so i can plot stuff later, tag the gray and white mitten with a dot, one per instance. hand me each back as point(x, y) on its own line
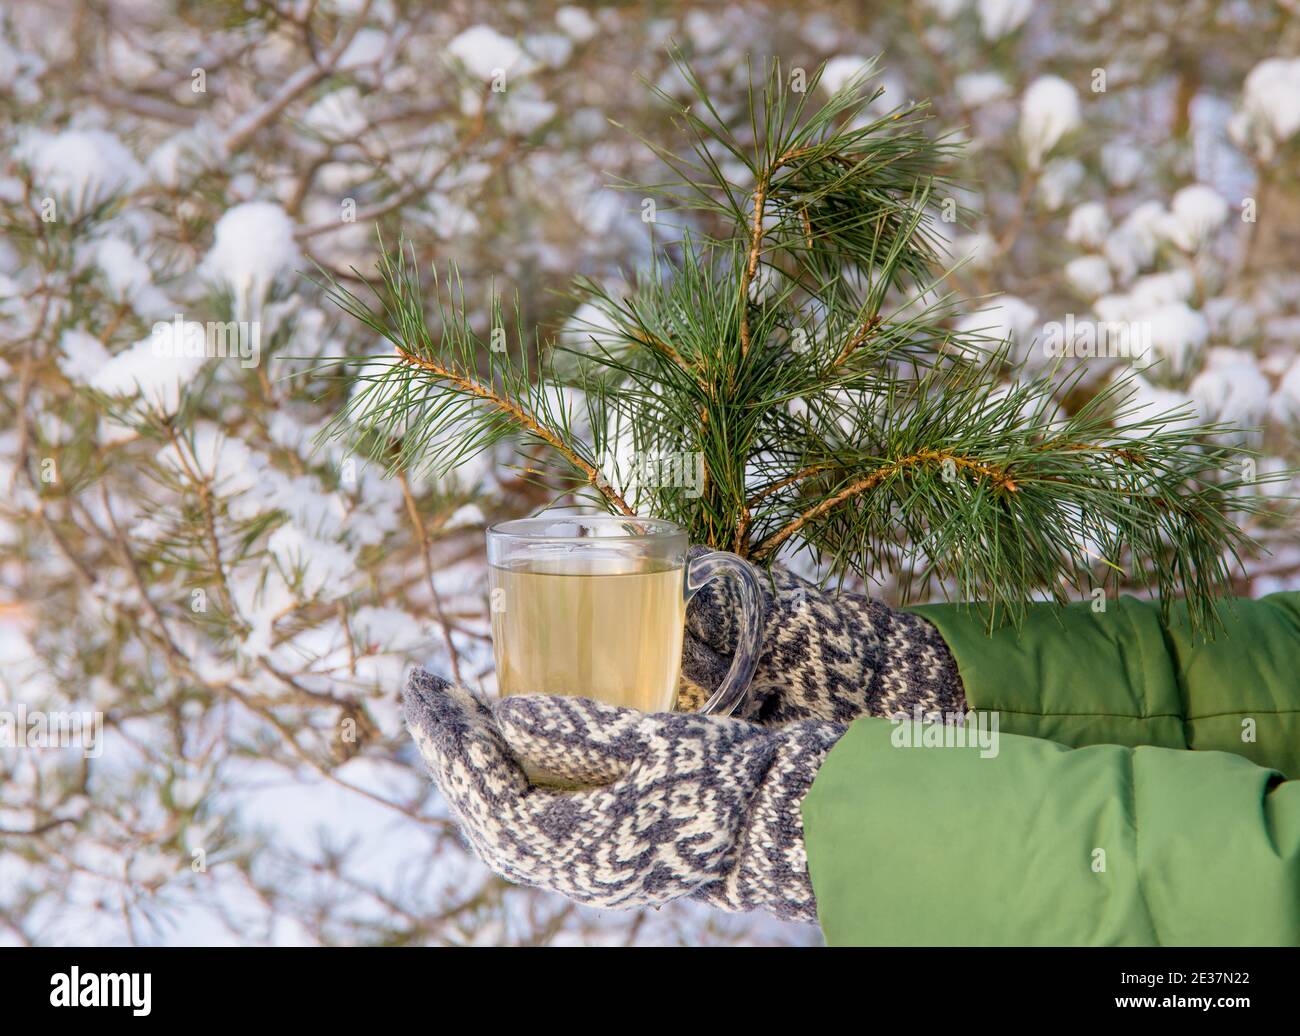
point(829, 656)
point(673, 805)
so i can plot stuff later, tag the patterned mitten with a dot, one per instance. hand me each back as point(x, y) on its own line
point(673, 805)
point(825, 655)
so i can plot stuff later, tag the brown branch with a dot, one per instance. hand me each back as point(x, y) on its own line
point(742, 531)
point(1017, 222)
point(203, 485)
point(997, 476)
point(38, 830)
point(859, 336)
point(522, 418)
point(751, 264)
point(660, 346)
point(297, 84)
point(1132, 456)
point(175, 656)
point(411, 189)
point(140, 103)
point(422, 533)
point(798, 476)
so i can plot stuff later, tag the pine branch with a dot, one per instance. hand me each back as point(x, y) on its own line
point(796, 342)
point(525, 421)
point(415, 401)
point(996, 477)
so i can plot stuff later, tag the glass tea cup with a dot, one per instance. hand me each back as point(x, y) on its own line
point(595, 606)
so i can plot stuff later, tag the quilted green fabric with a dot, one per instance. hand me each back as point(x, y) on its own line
point(1091, 824)
point(1124, 677)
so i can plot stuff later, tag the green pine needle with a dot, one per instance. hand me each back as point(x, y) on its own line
point(793, 347)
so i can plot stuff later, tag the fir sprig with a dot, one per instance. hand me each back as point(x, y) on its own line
point(796, 341)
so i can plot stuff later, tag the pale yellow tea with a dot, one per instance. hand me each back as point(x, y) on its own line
point(611, 630)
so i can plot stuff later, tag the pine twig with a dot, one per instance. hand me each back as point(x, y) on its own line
point(523, 420)
point(996, 476)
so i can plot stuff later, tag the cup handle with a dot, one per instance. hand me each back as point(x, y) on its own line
point(735, 685)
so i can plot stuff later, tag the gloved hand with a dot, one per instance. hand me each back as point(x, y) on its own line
point(825, 655)
point(678, 805)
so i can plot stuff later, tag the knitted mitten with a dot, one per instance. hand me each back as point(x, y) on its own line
point(825, 655)
point(675, 805)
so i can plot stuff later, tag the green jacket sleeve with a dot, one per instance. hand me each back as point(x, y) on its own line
point(1040, 844)
point(1091, 824)
point(1125, 676)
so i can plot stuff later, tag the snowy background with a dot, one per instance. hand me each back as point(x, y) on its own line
point(177, 553)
